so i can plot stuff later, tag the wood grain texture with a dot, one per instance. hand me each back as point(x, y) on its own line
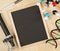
point(39, 46)
point(4, 3)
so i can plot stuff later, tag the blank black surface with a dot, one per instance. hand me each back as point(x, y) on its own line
point(29, 25)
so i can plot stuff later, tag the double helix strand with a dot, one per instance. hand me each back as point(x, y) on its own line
point(52, 34)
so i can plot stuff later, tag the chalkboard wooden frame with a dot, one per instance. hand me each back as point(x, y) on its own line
point(44, 25)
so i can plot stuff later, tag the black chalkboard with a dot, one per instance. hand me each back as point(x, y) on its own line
point(29, 25)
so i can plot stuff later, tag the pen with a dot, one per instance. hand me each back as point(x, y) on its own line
point(7, 33)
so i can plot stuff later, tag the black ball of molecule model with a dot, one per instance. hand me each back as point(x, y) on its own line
point(57, 2)
point(54, 12)
point(48, 2)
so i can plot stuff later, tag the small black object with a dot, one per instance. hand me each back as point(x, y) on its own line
point(57, 2)
point(17, 1)
point(48, 2)
point(54, 12)
point(29, 25)
point(7, 33)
